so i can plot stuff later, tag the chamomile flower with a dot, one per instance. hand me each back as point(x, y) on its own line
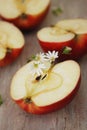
point(40, 57)
point(42, 62)
point(37, 68)
point(51, 56)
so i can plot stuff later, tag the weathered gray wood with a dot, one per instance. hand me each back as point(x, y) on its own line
point(74, 115)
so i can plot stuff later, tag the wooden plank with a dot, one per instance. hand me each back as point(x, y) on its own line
point(74, 115)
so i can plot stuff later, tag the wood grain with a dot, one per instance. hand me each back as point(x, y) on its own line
point(74, 115)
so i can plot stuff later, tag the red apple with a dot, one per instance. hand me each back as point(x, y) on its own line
point(66, 33)
point(48, 94)
point(26, 14)
point(11, 43)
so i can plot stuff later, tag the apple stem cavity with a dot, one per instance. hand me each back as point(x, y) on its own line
point(9, 50)
point(28, 100)
point(23, 16)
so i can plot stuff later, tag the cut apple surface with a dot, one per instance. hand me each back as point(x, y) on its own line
point(52, 91)
point(54, 34)
point(77, 26)
point(24, 13)
point(30, 85)
point(69, 83)
point(11, 43)
point(66, 33)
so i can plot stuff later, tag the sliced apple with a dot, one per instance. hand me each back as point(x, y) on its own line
point(24, 13)
point(71, 33)
point(47, 94)
point(11, 43)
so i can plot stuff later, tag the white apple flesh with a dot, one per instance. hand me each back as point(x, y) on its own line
point(76, 26)
point(10, 38)
point(51, 93)
point(54, 34)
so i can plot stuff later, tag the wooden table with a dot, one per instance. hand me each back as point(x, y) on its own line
point(74, 115)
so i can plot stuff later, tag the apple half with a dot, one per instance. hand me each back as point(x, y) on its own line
point(70, 33)
point(51, 92)
point(25, 14)
point(11, 43)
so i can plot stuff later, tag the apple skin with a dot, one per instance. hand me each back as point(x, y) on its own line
point(11, 56)
point(80, 48)
point(55, 46)
point(32, 108)
point(30, 22)
point(78, 45)
point(58, 46)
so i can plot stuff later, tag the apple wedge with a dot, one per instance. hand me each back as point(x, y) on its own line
point(11, 43)
point(26, 14)
point(48, 92)
point(70, 33)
